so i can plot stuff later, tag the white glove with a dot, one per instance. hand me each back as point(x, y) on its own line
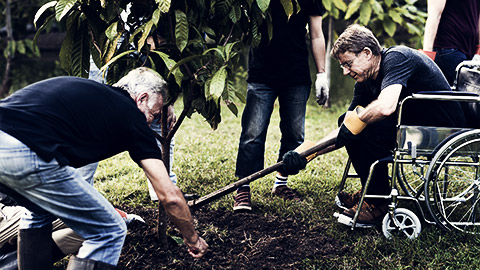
point(321, 88)
point(129, 217)
point(476, 57)
point(132, 217)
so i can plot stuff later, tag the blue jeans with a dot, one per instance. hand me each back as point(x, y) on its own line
point(448, 60)
point(256, 118)
point(62, 192)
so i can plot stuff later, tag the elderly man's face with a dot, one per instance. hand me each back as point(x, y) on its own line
point(151, 112)
point(358, 66)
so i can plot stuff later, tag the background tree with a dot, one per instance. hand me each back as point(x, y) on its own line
point(13, 41)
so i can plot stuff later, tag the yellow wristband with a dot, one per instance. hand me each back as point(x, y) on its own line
point(353, 122)
point(304, 147)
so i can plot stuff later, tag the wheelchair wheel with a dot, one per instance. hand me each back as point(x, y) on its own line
point(453, 184)
point(407, 224)
point(411, 179)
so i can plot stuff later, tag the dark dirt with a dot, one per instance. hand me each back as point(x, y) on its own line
point(237, 241)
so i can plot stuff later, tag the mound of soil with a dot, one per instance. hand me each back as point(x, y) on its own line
point(236, 240)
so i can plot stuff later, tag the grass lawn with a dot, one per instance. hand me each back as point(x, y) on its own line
point(205, 162)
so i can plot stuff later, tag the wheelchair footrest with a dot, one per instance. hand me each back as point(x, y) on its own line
point(346, 220)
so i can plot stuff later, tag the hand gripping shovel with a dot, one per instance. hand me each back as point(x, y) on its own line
point(311, 153)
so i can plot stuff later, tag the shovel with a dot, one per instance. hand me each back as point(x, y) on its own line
point(311, 152)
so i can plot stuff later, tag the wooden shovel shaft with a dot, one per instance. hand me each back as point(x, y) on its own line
point(234, 186)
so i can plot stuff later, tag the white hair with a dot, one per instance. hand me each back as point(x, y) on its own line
point(143, 79)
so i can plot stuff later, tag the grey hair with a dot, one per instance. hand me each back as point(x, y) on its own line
point(354, 39)
point(143, 79)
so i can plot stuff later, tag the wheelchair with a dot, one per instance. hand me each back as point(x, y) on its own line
point(436, 169)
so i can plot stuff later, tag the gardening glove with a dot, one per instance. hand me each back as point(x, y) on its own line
point(429, 54)
point(292, 163)
point(128, 218)
point(321, 88)
point(352, 126)
point(476, 57)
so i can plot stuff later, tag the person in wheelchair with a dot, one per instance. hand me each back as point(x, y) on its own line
point(383, 76)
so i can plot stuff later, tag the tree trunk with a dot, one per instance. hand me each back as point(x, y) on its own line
point(165, 139)
point(7, 81)
point(162, 215)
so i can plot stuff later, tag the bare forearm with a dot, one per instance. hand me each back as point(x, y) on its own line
point(434, 9)
point(317, 40)
point(179, 213)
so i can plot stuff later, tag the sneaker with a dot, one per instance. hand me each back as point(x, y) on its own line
point(348, 200)
point(242, 200)
point(285, 193)
point(369, 212)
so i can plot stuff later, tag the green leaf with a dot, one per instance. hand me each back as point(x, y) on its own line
point(156, 16)
point(352, 8)
point(335, 13)
point(327, 4)
point(65, 54)
point(235, 14)
point(81, 52)
point(41, 10)
point(112, 47)
point(228, 50)
point(219, 51)
point(288, 7)
point(136, 32)
point(413, 29)
point(340, 4)
point(164, 5)
point(177, 239)
point(21, 46)
point(114, 59)
point(181, 30)
point(233, 108)
point(217, 85)
point(32, 47)
point(63, 7)
point(183, 61)
point(263, 4)
point(396, 16)
point(11, 47)
point(111, 31)
point(365, 13)
point(48, 20)
point(170, 63)
point(378, 10)
point(145, 34)
point(389, 26)
point(389, 3)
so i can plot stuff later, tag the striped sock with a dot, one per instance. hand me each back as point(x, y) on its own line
point(244, 186)
point(280, 181)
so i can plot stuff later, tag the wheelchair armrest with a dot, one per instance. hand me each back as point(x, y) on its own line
point(447, 95)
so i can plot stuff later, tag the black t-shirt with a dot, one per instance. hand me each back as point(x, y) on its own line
point(416, 73)
point(284, 59)
point(77, 121)
point(458, 27)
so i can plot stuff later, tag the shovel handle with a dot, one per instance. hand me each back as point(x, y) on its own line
point(315, 151)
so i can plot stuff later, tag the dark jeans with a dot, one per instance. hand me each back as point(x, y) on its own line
point(448, 60)
point(256, 118)
point(375, 142)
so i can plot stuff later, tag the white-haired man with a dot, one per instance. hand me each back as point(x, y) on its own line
point(51, 126)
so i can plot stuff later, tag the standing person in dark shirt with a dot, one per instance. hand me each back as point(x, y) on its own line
point(48, 128)
point(452, 33)
point(278, 68)
point(383, 78)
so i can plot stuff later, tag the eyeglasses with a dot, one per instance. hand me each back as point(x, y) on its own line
point(347, 64)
